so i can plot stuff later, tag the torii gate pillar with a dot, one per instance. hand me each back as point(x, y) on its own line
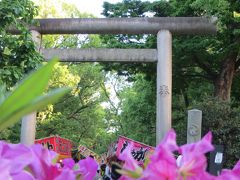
point(164, 84)
point(28, 127)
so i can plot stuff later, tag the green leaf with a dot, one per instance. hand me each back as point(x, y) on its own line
point(33, 105)
point(16, 75)
point(27, 90)
point(7, 51)
point(236, 14)
point(7, 72)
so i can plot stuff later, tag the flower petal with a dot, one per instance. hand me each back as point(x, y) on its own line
point(88, 168)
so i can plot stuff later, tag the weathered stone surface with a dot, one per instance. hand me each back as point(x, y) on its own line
point(176, 25)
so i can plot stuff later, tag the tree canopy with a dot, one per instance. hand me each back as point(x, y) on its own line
point(17, 53)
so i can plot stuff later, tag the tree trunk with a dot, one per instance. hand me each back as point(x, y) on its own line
point(223, 82)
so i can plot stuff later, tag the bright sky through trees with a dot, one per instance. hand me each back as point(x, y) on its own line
point(93, 6)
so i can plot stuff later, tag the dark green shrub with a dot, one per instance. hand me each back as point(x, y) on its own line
point(224, 122)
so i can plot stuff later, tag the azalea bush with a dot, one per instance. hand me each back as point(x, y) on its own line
point(36, 162)
point(27, 163)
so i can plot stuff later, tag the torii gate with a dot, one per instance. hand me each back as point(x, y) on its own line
point(164, 27)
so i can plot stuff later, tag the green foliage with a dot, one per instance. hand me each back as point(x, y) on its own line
point(179, 118)
point(64, 9)
point(59, 9)
point(224, 122)
point(12, 10)
point(80, 111)
point(27, 96)
point(204, 57)
point(138, 115)
point(17, 53)
point(127, 8)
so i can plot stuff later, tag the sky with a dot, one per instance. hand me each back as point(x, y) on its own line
point(93, 6)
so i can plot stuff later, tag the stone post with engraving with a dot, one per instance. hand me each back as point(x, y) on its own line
point(194, 126)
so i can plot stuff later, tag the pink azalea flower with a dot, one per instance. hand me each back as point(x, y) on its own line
point(42, 166)
point(18, 153)
point(163, 163)
point(237, 168)
point(87, 168)
point(68, 163)
point(130, 167)
point(66, 174)
point(233, 174)
point(5, 169)
point(130, 163)
point(21, 162)
point(24, 175)
point(16, 157)
point(194, 162)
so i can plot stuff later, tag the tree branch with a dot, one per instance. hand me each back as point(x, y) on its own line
point(206, 67)
point(200, 76)
point(82, 133)
point(80, 109)
point(108, 97)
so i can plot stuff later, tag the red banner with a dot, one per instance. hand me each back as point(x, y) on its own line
point(139, 150)
point(63, 146)
point(60, 145)
point(48, 143)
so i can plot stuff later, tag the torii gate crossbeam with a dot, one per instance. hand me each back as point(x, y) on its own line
point(164, 27)
point(176, 25)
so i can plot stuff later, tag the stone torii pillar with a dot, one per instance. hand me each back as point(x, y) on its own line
point(164, 27)
point(28, 127)
point(164, 84)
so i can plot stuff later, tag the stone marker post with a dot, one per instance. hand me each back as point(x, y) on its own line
point(28, 127)
point(194, 125)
